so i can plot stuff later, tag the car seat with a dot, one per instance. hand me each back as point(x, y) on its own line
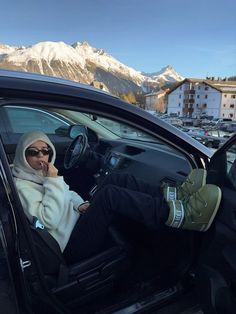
point(88, 278)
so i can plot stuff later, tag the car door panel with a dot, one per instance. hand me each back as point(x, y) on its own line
point(217, 287)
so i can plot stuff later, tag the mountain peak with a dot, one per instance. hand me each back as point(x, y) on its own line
point(167, 73)
point(85, 44)
point(48, 51)
point(167, 68)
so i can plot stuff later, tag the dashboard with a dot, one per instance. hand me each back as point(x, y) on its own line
point(152, 162)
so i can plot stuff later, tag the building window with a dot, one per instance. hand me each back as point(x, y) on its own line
point(206, 96)
point(198, 96)
point(231, 105)
point(232, 96)
point(197, 105)
point(206, 88)
point(225, 95)
point(179, 96)
point(179, 104)
point(199, 87)
point(223, 115)
point(180, 87)
point(224, 105)
point(231, 115)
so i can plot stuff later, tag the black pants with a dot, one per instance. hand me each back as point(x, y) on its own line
point(119, 194)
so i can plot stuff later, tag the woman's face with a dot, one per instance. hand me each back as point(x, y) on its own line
point(34, 154)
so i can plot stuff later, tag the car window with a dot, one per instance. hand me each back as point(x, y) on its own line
point(107, 126)
point(55, 121)
point(27, 119)
point(231, 165)
point(124, 131)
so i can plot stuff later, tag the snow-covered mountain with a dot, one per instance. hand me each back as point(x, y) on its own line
point(81, 62)
point(167, 73)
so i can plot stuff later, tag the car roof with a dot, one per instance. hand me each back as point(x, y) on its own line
point(50, 79)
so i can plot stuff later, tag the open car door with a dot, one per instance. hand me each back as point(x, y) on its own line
point(216, 276)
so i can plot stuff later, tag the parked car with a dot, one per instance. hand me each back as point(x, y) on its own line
point(202, 136)
point(138, 270)
point(209, 141)
point(212, 138)
point(193, 130)
point(231, 128)
point(217, 133)
point(223, 124)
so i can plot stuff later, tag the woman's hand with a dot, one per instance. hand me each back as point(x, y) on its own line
point(48, 169)
point(83, 207)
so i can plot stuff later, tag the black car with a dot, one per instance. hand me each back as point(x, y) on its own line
point(139, 270)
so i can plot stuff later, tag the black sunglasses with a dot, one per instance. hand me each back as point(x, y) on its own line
point(33, 152)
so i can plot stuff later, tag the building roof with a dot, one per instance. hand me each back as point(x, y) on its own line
point(220, 85)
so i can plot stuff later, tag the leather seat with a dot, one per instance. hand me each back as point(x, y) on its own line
point(85, 279)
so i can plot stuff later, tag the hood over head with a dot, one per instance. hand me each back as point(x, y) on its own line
point(21, 168)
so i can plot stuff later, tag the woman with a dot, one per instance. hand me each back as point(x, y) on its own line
point(45, 195)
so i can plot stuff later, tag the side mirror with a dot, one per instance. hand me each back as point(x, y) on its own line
point(62, 131)
point(75, 130)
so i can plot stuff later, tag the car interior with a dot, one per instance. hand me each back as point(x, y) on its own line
point(135, 262)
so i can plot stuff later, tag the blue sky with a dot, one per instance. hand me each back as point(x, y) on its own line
point(198, 38)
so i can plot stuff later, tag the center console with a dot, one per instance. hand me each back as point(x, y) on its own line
point(111, 162)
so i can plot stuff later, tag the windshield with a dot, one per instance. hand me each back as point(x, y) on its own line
point(123, 130)
point(106, 127)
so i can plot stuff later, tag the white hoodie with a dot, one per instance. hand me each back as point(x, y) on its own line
point(47, 198)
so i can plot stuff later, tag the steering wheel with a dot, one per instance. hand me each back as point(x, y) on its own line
point(76, 151)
